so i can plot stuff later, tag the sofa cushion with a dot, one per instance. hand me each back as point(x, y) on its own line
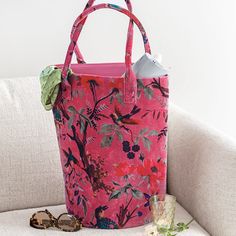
point(17, 223)
point(202, 172)
point(30, 171)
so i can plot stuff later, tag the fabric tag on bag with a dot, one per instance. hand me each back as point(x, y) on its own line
point(147, 67)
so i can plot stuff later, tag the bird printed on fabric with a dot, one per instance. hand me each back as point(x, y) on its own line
point(57, 115)
point(70, 158)
point(59, 120)
point(122, 120)
point(103, 222)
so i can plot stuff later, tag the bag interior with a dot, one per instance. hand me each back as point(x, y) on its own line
point(101, 69)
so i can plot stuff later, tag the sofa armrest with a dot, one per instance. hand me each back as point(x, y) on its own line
point(202, 172)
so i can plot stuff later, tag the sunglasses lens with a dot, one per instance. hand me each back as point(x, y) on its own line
point(67, 222)
point(41, 220)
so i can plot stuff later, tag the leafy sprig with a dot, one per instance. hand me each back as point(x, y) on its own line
point(175, 229)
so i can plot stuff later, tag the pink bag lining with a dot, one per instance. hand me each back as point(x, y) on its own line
point(98, 69)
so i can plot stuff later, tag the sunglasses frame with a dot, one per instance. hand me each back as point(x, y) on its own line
point(54, 221)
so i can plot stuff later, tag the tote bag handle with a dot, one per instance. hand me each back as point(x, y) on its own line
point(130, 82)
point(79, 56)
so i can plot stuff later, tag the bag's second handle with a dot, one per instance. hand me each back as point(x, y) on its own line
point(79, 56)
point(130, 83)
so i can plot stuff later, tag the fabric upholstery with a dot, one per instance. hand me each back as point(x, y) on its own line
point(17, 223)
point(30, 171)
point(202, 172)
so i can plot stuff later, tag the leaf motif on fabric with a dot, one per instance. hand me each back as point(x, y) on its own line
point(107, 128)
point(136, 140)
point(126, 188)
point(147, 143)
point(72, 110)
point(137, 194)
point(138, 93)
point(119, 98)
point(153, 133)
point(102, 107)
point(119, 135)
point(82, 126)
point(148, 93)
point(140, 84)
point(143, 131)
point(115, 194)
point(107, 141)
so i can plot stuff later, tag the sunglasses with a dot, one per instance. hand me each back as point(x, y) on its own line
point(64, 222)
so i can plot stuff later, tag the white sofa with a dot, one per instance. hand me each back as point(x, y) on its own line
point(201, 168)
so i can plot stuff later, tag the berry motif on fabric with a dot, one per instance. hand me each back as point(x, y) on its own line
point(112, 134)
point(113, 154)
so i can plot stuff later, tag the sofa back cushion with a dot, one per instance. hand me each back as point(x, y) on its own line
point(30, 171)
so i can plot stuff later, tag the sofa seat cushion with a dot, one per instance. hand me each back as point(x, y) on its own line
point(29, 151)
point(14, 223)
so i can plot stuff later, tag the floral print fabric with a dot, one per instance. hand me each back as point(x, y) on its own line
point(112, 133)
point(113, 154)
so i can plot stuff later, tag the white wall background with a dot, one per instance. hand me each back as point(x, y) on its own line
point(197, 40)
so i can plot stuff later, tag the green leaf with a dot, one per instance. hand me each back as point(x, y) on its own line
point(180, 224)
point(170, 234)
point(71, 120)
point(126, 187)
point(107, 128)
point(140, 84)
point(102, 107)
point(181, 227)
point(137, 194)
point(147, 143)
point(119, 98)
point(143, 131)
point(148, 93)
point(84, 117)
point(139, 93)
point(81, 111)
point(107, 141)
point(163, 230)
point(174, 230)
point(119, 135)
point(82, 126)
point(71, 109)
point(115, 194)
point(153, 133)
point(136, 140)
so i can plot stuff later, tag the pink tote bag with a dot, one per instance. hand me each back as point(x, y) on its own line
point(112, 135)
